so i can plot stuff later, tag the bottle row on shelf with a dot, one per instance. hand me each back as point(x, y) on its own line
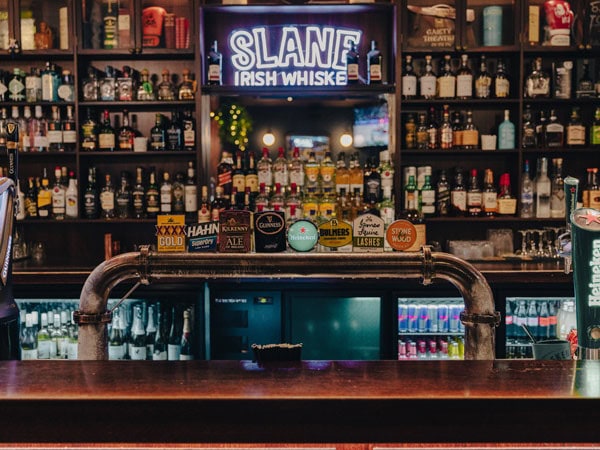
point(452, 347)
point(48, 84)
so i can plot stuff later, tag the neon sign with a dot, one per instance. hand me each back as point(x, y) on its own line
point(291, 55)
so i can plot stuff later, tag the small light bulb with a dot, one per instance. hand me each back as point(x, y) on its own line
point(268, 139)
point(346, 140)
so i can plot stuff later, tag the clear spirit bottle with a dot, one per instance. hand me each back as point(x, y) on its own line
point(145, 90)
point(557, 195)
point(187, 88)
point(554, 131)
point(165, 90)
point(537, 83)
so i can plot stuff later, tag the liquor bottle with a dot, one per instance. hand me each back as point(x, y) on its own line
point(108, 85)
point(159, 348)
point(446, 82)
point(33, 86)
point(43, 338)
point(174, 134)
point(219, 204)
point(16, 86)
point(507, 204)
point(457, 130)
point(442, 205)
point(372, 182)
point(411, 194)
point(191, 194)
point(110, 13)
point(356, 175)
point(410, 132)
point(489, 199)
point(352, 69)
point(107, 199)
point(293, 205)
point(44, 197)
point(445, 130)
point(69, 131)
point(483, 81)
point(422, 136)
point(31, 199)
point(554, 131)
point(280, 169)
point(72, 198)
point(125, 134)
point(409, 79)
point(474, 195)
point(427, 204)
point(187, 87)
point(187, 352)
point(529, 138)
point(277, 201)
point(540, 130)
point(178, 205)
point(537, 83)
point(89, 133)
point(506, 133)
point(432, 130)
point(91, 205)
point(327, 170)
point(296, 170)
point(188, 124)
point(428, 81)
point(386, 170)
point(557, 190)
point(56, 338)
point(585, 193)
point(50, 81)
point(544, 321)
point(115, 338)
point(166, 194)
point(386, 207)
point(124, 86)
point(225, 173)
point(470, 133)
point(575, 130)
point(90, 85)
point(150, 333)
point(38, 131)
point(595, 129)
point(533, 319)
point(542, 190)
point(165, 90)
point(21, 211)
point(137, 348)
point(54, 133)
point(501, 81)
point(261, 202)
point(585, 84)
point(265, 170)
point(238, 177)
point(458, 195)
point(158, 135)
point(124, 198)
point(464, 79)
point(215, 66)
point(145, 90)
point(527, 189)
point(29, 346)
point(66, 88)
point(106, 134)
point(374, 65)
point(58, 197)
point(251, 176)
point(594, 191)
point(152, 196)
point(174, 339)
point(138, 195)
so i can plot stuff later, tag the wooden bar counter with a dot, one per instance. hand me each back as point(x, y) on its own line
point(342, 403)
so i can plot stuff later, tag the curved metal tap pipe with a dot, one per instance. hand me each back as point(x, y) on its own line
point(147, 267)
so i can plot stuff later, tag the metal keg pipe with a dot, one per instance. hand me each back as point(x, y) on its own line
point(146, 267)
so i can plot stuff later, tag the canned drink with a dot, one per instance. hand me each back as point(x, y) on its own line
point(423, 321)
point(433, 348)
point(401, 349)
point(454, 320)
point(442, 318)
point(432, 313)
point(402, 317)
point(412, 350)
point(412, 318)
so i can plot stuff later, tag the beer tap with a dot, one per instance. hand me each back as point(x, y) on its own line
point(564, 240)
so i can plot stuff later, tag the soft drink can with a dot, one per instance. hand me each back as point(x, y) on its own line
point(432, 313)
point(412, 318)
point(423, 322)
point(454, 321)
point(442, 318)
point(402, 317)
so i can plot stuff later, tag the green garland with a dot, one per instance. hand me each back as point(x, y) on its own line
point(234, 124)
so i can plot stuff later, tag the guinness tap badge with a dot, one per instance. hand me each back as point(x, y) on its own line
point(269, 232)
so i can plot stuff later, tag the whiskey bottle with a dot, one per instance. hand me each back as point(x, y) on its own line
point(507, 204)
point(215, 66)
point(428, 81)
point(54, 133)
point(410, 132)
point(224, 173)
point(174, 134)
point(411, 194)
point(138, 195)
point(152, 196)
point(432, 130)
point(422, 137)
point(89, 133)
point(107, 199)
point(595, 129)
point(554, 131)
point(445, 130)
point(372, 182)
point(540, 130)
point(166, 194)
point(585, 84)
point(374, 65)
point(457, 130)
point(106, 134)
point(575, 130)
point(219, 204)
point(446, 82)
point(187, 88)
point(470, 134)
point(442, 206)
point(464, 79)
point(474, 195)
point(427, 203)
point(489, 199)
point(188, 125)
point(125, 134)
point(537, 83)
point(594, 192)
point(251, 176)
point(69, 131)
point(44, 197)
point(557, 190)
point(110, 13)
point(542, 190)
point(526, 209)
point(409, 79)
point(356, 175)
point(204, 212)
point(31, 199)
point(58, 196)
point(38, 131)
point(158, 138)
point(165, 90)
point(501, 81)
point(178, 204)
point(386, 170)
point(352, 68)
point(123, 198)
point(238, 178)
point(91, 205)
point(529, 138)
point(191, 193)
point(483, 81)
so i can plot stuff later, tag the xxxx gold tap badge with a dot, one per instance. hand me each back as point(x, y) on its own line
point(170, 233)
point(335, 233)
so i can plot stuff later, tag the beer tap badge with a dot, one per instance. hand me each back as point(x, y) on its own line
point(291, 55)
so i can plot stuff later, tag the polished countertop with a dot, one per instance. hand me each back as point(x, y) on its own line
point(308, 401)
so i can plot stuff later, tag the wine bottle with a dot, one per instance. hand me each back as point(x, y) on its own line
point(186, 352)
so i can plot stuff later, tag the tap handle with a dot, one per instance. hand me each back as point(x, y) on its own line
point(571, 186)
point(12, 140)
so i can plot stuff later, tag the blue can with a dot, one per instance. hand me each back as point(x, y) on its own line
point(412, 318)
point(402, 317)
point(432, 313)
point(442, 318)
point(454, 321)
point(423, 323)
point(492, 26)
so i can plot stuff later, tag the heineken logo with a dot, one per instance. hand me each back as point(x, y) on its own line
point(302, 235)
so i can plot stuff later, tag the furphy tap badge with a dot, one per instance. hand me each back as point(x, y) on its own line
point(170, 233)
point(291, 55)
point(202, 237)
